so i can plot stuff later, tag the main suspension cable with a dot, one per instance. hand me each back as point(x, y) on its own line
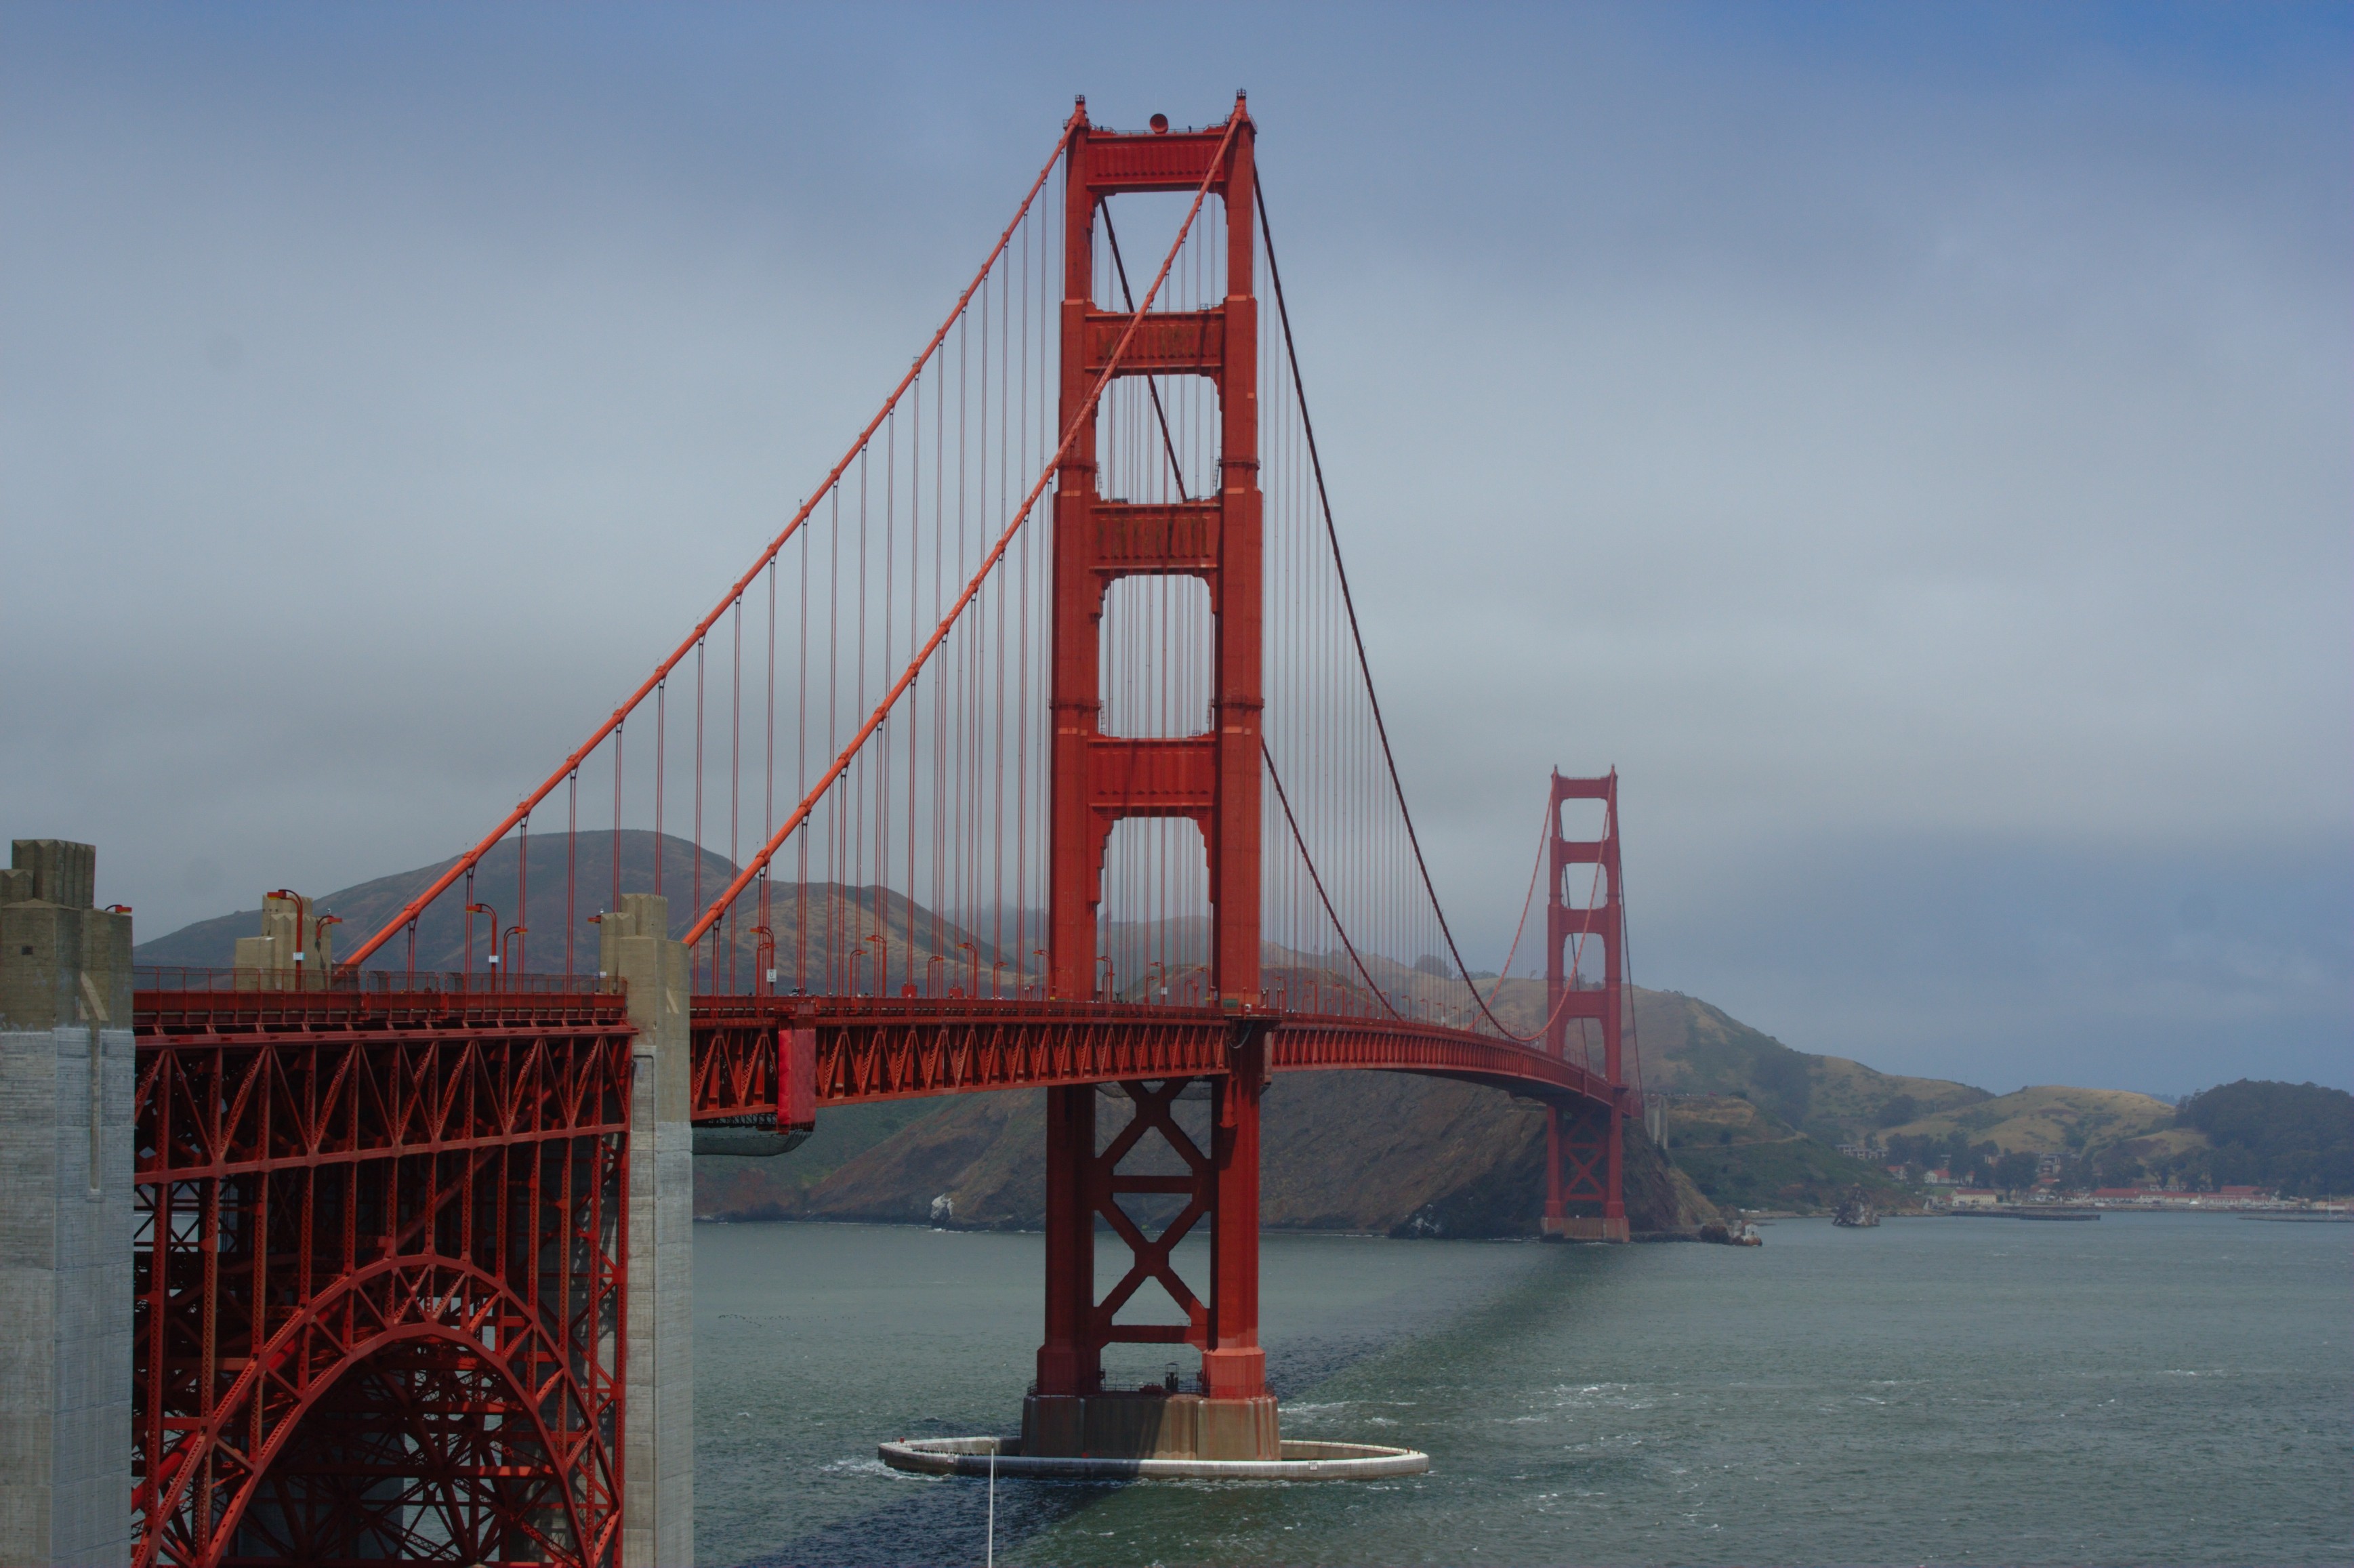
point(1324, 499)
point(1308, 859)
point(613, 725)
point(875, 720)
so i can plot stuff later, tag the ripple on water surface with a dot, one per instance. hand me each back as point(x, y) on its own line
point(2159, 1389)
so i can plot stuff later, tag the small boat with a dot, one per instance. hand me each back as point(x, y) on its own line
point(1856, 1210)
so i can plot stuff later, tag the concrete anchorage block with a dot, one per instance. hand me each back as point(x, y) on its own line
point(66, 1065)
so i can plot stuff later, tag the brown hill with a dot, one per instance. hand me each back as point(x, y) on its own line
point(842, 923)
point(1353, 1151)
point(2050, 1118)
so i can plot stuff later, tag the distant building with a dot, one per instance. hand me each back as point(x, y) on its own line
point(1974, 1198)
point(2175, 1198)
point(1939, 1178)
point(2047, 1166)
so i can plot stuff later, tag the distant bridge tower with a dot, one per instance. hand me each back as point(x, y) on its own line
point(1585, 1147)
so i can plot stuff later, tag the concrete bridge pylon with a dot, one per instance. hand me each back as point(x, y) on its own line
point(635, 944)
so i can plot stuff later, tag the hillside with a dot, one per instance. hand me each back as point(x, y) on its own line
point(2298, 1138)
point(1741, 1156)
point(2049, 1118)
point(1687, 1047)
point(1354, 1151)
point(839, 921)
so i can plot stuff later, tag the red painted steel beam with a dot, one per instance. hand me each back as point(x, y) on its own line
point(864, 1050)
point(359, 1216)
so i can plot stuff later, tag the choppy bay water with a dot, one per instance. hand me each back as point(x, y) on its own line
point(2149, 1389)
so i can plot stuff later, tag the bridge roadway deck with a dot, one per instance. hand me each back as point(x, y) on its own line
point(861, 1049)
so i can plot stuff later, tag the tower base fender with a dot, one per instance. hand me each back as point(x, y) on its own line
point(1149, 1424)
point(1586, 1228)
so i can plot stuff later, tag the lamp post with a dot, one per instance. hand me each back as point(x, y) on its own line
point(515, 935)
point(473, 910)
point(319, 934)
point(972, 968)
point(882, 963)
point(301, 927)
point(764, 961)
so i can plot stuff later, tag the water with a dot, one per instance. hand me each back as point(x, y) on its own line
point(2159, 1389)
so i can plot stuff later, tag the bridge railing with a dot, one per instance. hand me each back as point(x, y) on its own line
point(370, 982)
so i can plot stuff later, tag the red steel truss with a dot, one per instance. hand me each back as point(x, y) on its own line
point(1585, 1141)
point(858, 1050)
point(378, 1264)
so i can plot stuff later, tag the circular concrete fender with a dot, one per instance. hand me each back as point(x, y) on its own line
point(1300, 1462)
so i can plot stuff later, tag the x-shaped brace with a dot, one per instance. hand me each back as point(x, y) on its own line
point(1154, 1113)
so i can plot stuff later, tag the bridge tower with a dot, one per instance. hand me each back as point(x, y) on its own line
point(1585, 1147)
point(1211, 778)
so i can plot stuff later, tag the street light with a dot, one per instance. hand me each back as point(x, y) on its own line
point(471, 910)
point(972, 971)
point(319, 934)
point(514, 934)
point(301, 927)
point(882, 963)
point(768, 966)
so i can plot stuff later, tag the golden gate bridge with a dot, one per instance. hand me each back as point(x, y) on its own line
point(1043, 746)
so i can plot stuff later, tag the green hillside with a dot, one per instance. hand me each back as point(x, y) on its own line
point(2298, 1138)
point(1741, 1156)
point(2048, 1119)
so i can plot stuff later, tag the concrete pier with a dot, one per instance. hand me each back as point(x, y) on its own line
point(66, 1094)
point(1149, 1424)
point(658, 1450)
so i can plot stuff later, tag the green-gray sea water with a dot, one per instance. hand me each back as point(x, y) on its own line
point(2146, 1389)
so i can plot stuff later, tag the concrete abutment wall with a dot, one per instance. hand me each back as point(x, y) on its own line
point(66, 1096)
point(658, 1448)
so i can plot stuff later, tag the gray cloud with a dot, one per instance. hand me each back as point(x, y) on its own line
point(1912, 447)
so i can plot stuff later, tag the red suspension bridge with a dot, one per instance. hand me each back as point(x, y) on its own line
point(1044, 746)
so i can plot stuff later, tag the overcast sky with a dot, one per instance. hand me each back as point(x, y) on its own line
point(1912, 443)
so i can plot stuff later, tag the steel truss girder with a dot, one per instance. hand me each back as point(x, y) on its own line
point(1303, 1044)
point(900, 1049)
point(876, 1050)
point(379, 1269)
